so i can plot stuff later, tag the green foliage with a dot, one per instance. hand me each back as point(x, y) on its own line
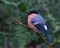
point(13, 10)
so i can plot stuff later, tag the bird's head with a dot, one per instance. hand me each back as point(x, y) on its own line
point(32, 12)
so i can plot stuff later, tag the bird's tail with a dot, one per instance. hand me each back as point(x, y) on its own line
point(48, 36)
point(45, 30)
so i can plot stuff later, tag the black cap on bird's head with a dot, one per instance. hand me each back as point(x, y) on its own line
point(33, 11)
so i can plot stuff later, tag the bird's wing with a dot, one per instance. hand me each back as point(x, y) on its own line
point(38, 19)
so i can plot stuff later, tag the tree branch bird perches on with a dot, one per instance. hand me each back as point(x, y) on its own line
point(36, 33)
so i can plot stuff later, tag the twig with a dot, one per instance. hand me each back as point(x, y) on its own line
point(37, 34)
point(5, 42)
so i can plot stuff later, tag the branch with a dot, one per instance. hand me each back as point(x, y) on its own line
point(11, 3)
point(37, 34)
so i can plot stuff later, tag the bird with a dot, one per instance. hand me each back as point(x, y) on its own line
point(37, 22)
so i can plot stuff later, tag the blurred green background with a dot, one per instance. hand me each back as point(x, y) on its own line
point(14, 12)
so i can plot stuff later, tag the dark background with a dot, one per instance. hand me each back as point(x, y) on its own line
point(14, 12)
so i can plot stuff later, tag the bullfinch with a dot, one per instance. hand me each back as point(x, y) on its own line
point(37, 22)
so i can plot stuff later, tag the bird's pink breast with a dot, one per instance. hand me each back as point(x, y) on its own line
point(29, 22)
